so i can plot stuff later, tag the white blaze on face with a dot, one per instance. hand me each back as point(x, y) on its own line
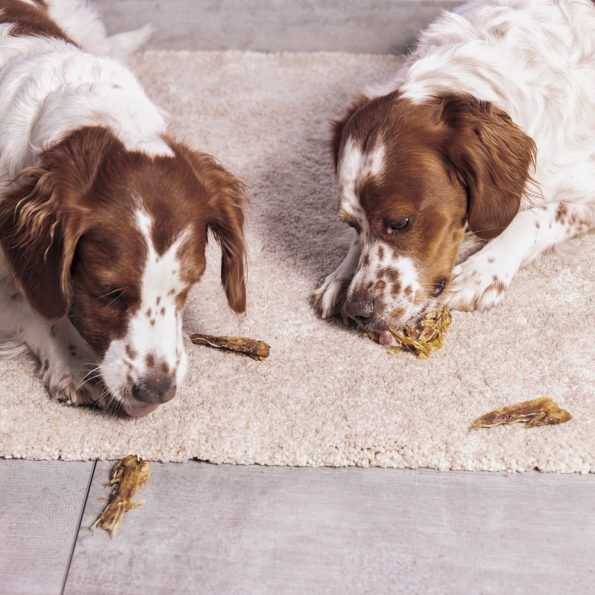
point(154, 340)
point(382, 273)
point(355, 166)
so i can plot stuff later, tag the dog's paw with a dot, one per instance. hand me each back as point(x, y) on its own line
point(71, 386)
point(477, 284)
point(329, 298)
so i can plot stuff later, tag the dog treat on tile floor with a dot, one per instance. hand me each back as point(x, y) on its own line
point(538, 412)
point(128, 476)
point(426, 336)
point(253, 348)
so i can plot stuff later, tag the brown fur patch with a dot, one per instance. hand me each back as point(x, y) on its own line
point(69, 233)
point(448, 159)
point(29, 20)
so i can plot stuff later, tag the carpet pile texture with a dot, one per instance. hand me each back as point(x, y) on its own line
point(326, 396)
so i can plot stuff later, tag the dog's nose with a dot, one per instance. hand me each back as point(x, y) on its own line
point(154, 389)
point(360, 310)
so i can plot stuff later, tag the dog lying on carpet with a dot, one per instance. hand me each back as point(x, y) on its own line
point(103, 216)
point(489, 127)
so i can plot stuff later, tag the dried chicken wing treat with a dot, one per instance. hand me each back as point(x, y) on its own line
point(253, 348)
point(426, 336)
point(128, 476)
point(538, 412)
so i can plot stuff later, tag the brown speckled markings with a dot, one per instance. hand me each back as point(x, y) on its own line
point(561, 213)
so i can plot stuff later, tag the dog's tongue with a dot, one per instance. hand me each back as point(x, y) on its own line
point(385, 339)
point(138, 408)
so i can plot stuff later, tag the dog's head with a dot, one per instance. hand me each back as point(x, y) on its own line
point(114, 240)
point(411, 175)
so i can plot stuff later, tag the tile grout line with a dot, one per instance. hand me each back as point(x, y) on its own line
point(78, 527)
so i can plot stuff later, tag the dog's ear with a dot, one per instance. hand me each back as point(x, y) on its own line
point(491, 156)
point(42, 219)
point(226, 196)
point(338, 127)
point(39, 240)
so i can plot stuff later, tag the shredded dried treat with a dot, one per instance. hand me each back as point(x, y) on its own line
point(257, 350)
point(128, 476)
point(426, 336)
point(538, 412)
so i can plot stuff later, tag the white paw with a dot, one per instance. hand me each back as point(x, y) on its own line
point(72, 385)
point(478, 283)
point(329, 298)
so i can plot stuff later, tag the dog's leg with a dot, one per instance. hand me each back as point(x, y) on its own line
point(479, 282)
point(82, 24)
point(67, 363)
point(330, 296)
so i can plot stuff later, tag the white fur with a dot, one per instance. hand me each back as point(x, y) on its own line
point(81, 22)
point(162, 340)
point(534, 59)
point(49, 88)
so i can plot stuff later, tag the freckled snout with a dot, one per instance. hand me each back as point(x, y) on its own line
point(361, 311)
point(155, 388)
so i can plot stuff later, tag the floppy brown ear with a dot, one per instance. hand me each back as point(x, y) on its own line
point(42, 218)
point(226, 200)
point(491, 156)
point(39, 240)
point(338, 127)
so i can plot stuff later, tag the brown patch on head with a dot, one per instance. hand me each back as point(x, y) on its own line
point(162, 311)
point(339, 126)
point(445, 160)
point(29, 20)
point(165, 368)
point(380, 285)
point(381, 252)
point(131, 353)
point(395, 289)
point(69, 231)
point(149, 312)
point(150, 361)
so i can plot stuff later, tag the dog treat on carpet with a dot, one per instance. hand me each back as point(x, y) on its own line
point(128, 476)
point(253, 348)
point(538, 412)
point(426, 336)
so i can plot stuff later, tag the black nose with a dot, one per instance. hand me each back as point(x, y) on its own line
point(154, 389)
point(360, 311)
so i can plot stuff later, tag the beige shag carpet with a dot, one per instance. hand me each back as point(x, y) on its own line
point(326, 396)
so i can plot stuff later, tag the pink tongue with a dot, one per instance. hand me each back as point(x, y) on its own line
point(138, 408)
point(385, 339)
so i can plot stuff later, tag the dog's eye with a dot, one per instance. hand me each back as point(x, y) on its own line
point(396, 226)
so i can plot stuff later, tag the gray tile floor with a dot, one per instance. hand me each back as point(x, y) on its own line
point(226, 529)
point(374, 26)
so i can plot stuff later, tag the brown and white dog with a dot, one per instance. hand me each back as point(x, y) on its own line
point(489, 128)
point(103, 217)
